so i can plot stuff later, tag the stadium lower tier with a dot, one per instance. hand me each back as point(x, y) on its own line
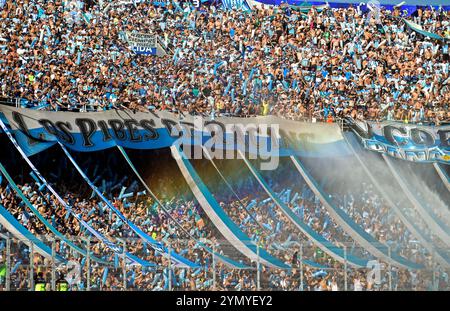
point(142, 220)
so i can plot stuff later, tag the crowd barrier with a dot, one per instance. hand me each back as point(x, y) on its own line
point(23, 268)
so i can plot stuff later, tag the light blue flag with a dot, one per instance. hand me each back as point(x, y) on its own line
point(34, 42)
point(116, 261)
point(252, 72)
point(127, 195)
point(122, 192)
point(244, 87)
point(105, 275)
point(175, 55)
point(16, 266)
point(92, 211)
point(133, 276)
point(41, 187)
point(216, 66)
point(177, 6)
point(87, 17)
point(35, 178)
point(78, 58)
point(232, 32)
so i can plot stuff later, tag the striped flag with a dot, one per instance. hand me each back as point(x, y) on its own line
point(234, 4)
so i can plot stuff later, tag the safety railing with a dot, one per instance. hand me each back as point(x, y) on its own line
point(23, 267)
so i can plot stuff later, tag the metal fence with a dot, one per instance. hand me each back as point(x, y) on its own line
point(24, 266)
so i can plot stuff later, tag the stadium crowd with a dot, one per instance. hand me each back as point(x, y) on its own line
point(323, 64)
point(254, 214)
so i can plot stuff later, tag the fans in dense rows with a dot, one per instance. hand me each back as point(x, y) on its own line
point(262, 222)
point(336, 62)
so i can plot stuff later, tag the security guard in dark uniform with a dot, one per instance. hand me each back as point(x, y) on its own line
point(61, 284)
point(39, 282)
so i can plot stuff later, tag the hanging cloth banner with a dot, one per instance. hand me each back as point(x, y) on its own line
point(268, 136)
point(142, 43)
point(178, 260)
point(235, 5)
point(412, 142)
point(418, 28)
point(111, 245)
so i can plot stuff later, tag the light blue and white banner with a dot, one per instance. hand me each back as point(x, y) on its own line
point(412, 142)
point(36, 131)
point(235, 5)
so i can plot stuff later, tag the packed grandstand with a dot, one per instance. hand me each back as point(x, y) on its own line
point(81, 211)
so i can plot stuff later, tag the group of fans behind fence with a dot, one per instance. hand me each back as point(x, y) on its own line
point(249, 208)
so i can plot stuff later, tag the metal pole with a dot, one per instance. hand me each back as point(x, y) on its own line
point(258, 271)
point(124, 266)
point(53, 265)
point(345, 268)
point(8, 263)
point(31, 266)
point(301, 267)
point(390, 269)
point(88, 264)
point(434, 279)
point(170, 269)
point(214, 265)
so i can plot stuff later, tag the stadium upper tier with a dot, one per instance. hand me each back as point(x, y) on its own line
point(382, 2)
point(282, 61)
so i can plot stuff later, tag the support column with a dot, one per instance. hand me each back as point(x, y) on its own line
point(214, 265)
point(390, 269)
point(124, 265)
point(8, 263)
point(53, 265)
point(345, 269)
point(258, 270)
point(31, 266)
point(170, 268)
point(302, 288)
point(88, 264)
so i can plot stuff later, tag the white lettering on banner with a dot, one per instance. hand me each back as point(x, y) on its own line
point(412, 142)
point(125, 2)
point(142, 49)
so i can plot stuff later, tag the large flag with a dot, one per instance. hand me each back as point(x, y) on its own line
point(419, 29)
point(235, 4)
